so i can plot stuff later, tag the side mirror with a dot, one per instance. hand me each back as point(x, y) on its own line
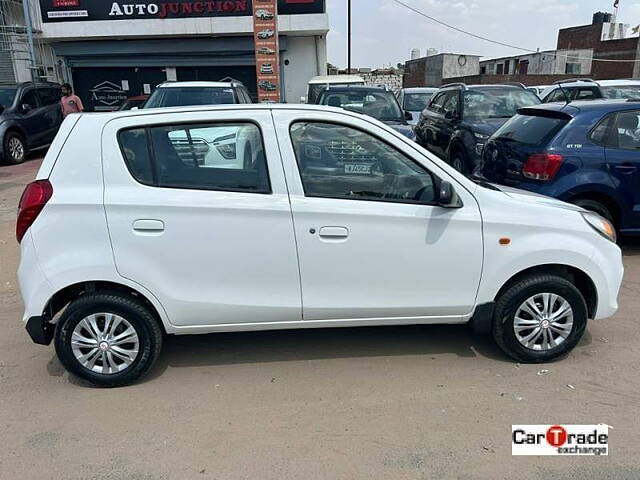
point(25, 107)
point(450, 115)
point(407, 115)
point(447, 196)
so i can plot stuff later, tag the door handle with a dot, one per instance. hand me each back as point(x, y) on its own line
point(626, 168)
point(148, 226)
point(334, 232)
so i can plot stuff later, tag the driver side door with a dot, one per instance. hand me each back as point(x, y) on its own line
point(33, 119)
point(372, 241)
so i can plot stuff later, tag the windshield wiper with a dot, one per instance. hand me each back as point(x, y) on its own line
point(478, 180)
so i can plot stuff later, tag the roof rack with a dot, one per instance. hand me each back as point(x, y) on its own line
point(572, 80)
point(456, 84)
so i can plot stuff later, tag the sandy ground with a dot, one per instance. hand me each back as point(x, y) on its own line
point(383, 403)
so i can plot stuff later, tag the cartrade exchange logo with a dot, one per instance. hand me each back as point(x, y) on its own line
point(560, 440)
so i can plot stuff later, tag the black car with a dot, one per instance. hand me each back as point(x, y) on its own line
point(30, 115)
point(460, 118)
point(377, 102)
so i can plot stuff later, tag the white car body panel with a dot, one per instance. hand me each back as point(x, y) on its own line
point(230, 261)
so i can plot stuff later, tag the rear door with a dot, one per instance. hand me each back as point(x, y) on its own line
point(201, 222)
point(623, 160)
point(50, 98)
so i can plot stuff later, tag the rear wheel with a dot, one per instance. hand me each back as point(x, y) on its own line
point(539, 318)
point(108, 339)
point(459, 161)
point(15, 149)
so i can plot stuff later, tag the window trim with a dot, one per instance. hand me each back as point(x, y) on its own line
point(435, 178)
point(153, 166)
point(614, 126)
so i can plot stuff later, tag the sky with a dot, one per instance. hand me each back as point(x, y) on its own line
point(384, 32)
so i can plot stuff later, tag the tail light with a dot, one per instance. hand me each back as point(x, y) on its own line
point(542, 166)
point(33, 200)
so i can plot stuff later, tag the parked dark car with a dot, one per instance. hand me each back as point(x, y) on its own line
point(377, 102)
point(134, 102)
point(30, 115)
point(460, 119)
point(586, 153)
point(565, 91)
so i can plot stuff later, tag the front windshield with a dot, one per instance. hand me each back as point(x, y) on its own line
point(6, 96)
point(188, 96)
point(497, 102)
point(626, 92)
point(416, 102)
point(381, 105)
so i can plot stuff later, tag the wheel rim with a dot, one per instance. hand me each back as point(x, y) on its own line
point(105, 343)
point(16, 148)
point(458, 164)
point(543, 321)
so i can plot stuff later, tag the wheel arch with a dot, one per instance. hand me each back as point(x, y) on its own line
point(66, 295)
point(577, 277)
point(605, 199)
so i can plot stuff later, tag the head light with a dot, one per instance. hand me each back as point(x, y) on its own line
point(600, 225)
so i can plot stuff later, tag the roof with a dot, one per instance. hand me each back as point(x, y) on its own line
point(419, 90)
point(356, 88)
point(196, 84)
point(336, 79)
point(587, 106)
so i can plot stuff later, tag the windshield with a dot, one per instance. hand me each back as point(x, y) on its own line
point(381, 105)
point(497, 102)
point(187, 96)
point(416, 102)
point(626, 92)
point(6, 96)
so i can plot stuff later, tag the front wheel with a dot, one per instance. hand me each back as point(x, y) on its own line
point(539, 319)
point(15, 149)
point(108, 339)
point(459, 161)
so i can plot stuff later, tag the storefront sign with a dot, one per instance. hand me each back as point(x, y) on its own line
point(265, 31)
point(89, 10)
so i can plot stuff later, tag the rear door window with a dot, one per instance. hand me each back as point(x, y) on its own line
point(221, 156)
point(626, 131)
point(531, 130)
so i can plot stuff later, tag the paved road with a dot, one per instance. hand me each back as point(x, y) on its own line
point(372, 403)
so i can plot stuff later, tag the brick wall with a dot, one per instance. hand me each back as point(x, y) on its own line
point(415, 74)
point(391, 80)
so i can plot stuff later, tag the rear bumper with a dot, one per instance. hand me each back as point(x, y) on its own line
point(40, 329)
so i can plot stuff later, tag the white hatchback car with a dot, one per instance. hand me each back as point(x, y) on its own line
point(333, 219)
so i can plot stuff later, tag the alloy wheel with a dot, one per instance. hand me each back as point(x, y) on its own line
point(16, 149)
point(105, 343)
point(543, 321)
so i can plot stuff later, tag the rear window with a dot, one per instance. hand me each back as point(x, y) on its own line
point(531, 130)
point(189, 96)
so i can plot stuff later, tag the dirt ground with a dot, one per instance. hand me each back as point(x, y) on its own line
point(369, 403)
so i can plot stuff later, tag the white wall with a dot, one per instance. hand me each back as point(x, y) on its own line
point(307, 58)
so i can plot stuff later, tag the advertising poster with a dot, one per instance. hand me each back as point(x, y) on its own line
point(265, 31)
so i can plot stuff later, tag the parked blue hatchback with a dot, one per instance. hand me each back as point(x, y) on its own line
point(585, 153)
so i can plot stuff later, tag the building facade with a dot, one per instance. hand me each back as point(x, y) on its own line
point(111, 50)
point(433, 70)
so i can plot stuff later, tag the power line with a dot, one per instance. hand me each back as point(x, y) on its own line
point(496, 42)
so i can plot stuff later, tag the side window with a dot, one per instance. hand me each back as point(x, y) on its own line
point(437, 103)
point(224, 156)
point(586, 94)
point(557, 96)
point(626, 134)
point(601, 134)
point(49, 96)
point(341, 162)
point(451, 103)
point(30, 98)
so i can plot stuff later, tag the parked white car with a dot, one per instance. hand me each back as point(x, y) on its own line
point(335, 220)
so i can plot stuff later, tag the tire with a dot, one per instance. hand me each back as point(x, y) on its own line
point(14, 148)
point(509, 304)
point(595, 206)
point(134, 313)
point(458, 160)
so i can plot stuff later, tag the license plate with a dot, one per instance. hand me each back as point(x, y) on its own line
point(357, 168)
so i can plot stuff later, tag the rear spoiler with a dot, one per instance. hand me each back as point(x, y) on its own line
point(541, 112)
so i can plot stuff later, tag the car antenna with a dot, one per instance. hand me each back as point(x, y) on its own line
point(564, 92)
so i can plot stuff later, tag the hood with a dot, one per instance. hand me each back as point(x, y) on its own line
point(486, 126)
point(530, 197)
point(403, 128)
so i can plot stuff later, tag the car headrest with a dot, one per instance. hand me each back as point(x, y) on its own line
point(628, 121)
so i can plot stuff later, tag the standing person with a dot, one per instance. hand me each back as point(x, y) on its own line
point(70, 103)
